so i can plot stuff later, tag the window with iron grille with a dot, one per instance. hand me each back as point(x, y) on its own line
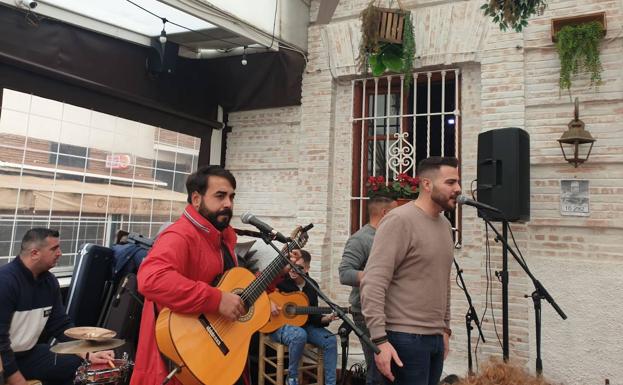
point(394, 127)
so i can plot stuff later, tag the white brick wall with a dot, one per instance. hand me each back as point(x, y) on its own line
point(294, 166)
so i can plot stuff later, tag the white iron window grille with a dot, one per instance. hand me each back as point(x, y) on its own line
point(395, 127)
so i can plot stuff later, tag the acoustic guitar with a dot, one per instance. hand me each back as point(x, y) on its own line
point(295, 310)
point(208, 349)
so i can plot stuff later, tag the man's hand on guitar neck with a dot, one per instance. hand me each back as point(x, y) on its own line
point(231, 306)
point(295, 255)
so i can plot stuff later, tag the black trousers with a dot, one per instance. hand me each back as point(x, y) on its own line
point(39, 363)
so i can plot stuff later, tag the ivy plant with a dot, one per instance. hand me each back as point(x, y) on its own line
point(513, 13)
point(578, 50)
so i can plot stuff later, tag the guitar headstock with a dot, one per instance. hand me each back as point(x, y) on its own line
point(299, 235)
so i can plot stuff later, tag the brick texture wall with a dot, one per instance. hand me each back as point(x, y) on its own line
point(294, 166)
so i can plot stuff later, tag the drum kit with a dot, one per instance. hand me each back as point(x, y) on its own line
point(93, 339)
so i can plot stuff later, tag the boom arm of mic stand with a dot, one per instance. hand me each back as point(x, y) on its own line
point(336, 309)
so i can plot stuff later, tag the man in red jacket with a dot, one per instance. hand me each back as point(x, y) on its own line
point(184, 265)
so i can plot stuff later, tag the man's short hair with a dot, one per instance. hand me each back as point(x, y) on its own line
point(198, 180)
point(381, 198)
point(35, 236)
point(306, 256)
point(434, 163)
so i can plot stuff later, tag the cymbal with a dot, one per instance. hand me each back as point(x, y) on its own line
point(84, 346)
point(91, 333)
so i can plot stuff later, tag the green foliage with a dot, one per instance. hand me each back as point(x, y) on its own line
point(383, 56)
point(370, 18)
point(513, 13)
point(578, 50)
point(408, 48)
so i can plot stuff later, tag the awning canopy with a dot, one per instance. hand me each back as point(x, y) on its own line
point(87, 69)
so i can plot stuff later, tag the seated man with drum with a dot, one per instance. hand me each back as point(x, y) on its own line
point(31, 313)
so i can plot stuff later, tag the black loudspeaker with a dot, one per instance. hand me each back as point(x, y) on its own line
point(503, 173)
point(162, 58)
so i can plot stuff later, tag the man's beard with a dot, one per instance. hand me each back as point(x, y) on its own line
point(212, 217)
point(442, 201)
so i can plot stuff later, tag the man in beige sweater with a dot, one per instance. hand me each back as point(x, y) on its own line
point(405, 291)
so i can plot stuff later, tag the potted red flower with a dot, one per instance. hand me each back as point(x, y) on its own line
point(403, 188)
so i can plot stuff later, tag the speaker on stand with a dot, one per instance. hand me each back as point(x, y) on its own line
point(503, 173)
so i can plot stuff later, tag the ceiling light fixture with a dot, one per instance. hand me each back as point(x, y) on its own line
point(244, 56)
point(163, 33)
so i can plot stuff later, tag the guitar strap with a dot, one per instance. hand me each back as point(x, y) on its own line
point(228, 263)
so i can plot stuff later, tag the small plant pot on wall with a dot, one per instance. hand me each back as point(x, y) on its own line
point(577, 42)
point(387, 41)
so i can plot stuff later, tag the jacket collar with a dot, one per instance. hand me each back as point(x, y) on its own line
point(25, 270)
point(201, 223)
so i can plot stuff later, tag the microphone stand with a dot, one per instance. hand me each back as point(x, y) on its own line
point(337, 310)
point(539, 291)
point(470, 316)
point(343, 331)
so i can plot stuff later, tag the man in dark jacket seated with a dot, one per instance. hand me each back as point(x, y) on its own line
point(31, 313)
point(313, 331)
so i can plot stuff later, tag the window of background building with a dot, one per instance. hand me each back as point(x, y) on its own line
point(85, 173)
point(393, 129)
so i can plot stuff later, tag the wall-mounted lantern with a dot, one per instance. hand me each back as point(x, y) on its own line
point(576, 143)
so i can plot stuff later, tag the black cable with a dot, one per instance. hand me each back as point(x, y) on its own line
point(181, 26)
point(272, 39)
point(516, 247)
point(471, 188)
point(482, 317)
point(495, 328)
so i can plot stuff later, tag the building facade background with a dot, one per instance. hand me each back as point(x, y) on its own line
point(85, 173)
point(295, 166)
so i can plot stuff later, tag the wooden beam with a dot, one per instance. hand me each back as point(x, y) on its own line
point(325, 12)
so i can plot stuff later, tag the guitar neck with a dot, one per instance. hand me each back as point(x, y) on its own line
point(261, 283)
point(298, 310)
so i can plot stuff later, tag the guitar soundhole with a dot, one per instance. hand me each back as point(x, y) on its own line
point(290, 310)
point(249, 314)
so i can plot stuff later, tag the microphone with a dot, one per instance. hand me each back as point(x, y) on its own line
point(122, 290)
point(251, 219)
point(462, 199)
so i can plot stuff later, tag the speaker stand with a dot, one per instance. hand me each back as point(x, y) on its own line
point(540, 291)
point(504, 240)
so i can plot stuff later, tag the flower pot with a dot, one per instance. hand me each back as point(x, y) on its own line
point(391, 24)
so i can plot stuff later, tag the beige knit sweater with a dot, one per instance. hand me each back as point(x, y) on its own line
point(406, 284)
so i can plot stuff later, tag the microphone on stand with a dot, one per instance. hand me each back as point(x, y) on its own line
point(264, 228)
point(463, 200)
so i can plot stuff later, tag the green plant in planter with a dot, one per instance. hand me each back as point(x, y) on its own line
point(513, 13)
point(578, 50)
point(383, 56)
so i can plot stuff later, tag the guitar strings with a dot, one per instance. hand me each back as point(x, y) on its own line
point(254, 290)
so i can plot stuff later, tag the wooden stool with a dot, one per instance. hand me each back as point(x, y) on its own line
point(311, 365)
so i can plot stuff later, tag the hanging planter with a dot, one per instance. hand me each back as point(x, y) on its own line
point(578, 50)
point(513, 13)
point(387, 41)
